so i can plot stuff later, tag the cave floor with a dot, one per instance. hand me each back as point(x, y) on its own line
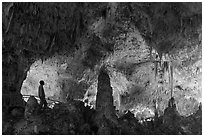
point(75, 119)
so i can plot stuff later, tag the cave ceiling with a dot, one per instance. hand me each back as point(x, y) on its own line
point(36, 29)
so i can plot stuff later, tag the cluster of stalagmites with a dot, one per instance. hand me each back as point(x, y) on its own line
point(73, 117)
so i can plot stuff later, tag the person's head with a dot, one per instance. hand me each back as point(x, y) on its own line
point(42, 82)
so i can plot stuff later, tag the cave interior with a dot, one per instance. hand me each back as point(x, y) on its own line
point(108, 67)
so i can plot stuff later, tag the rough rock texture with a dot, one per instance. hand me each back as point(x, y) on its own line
point(32, 107)
point(132, 75)
point(38, 30)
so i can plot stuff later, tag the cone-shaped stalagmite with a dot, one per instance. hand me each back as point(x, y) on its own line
point(104, 96)
point(104, 99)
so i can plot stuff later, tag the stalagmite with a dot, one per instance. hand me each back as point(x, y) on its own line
point(104, 99)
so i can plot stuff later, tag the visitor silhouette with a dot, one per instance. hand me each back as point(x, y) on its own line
point(41, 94)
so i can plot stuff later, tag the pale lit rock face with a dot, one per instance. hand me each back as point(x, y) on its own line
point(131, 72)
point(59, 80)
point(37, 72)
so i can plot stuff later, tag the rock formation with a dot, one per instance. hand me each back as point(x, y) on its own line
point(105, 110)
point(104, 101)
point(32, 107)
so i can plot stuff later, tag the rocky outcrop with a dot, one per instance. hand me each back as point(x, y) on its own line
point(32, 107)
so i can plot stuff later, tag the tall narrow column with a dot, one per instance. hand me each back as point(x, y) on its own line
point(104, 98)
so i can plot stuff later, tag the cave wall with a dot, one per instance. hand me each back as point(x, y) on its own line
point(14, 73)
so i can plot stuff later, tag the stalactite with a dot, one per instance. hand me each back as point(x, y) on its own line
point(42, 59)
point(166, 65)
point(171, 71)
point(156, 69)
point(160, 58)
point(151, 52)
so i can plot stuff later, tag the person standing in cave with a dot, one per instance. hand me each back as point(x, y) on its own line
point(41, 94)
